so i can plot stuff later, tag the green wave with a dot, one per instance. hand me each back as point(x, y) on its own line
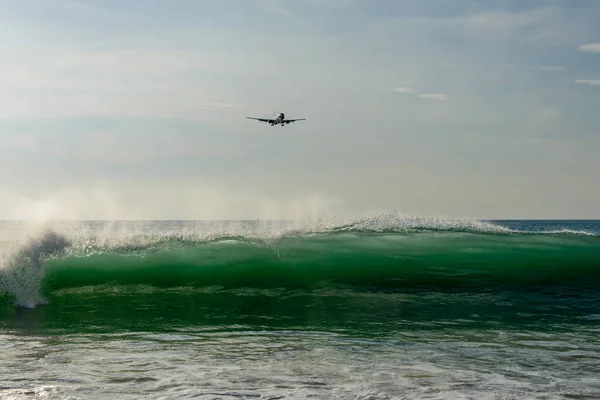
point(383, 262)
point(350, 280)
point(348, 261)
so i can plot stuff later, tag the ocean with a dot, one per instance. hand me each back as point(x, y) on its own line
point(385, 307)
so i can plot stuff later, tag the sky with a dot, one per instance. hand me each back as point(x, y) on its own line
point(482, 109)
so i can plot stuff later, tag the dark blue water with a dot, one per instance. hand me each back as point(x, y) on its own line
point(589, 226)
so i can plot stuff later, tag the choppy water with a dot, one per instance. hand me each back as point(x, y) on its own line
point(380, 308)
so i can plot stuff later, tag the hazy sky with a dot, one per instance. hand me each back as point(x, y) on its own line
point(449, 108)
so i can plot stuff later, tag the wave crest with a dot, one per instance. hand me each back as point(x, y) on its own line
point(21, 270)
point(396, 222)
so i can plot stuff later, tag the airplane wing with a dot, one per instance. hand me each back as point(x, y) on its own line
point(287, 121)
point(262, 119)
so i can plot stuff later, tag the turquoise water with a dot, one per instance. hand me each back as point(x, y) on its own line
point(387, 307)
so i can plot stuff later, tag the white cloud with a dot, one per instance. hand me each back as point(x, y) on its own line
point(550, 24)
point(501, 23)
point(544, 120)
point(430, 96)
point(549, 68)
point(401, 89)
point(593, 82)
point(545, 68)
point(434, 96)
point(590, 48)
point(219, 105)
point(505, 21)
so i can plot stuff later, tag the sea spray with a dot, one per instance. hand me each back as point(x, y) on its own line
point(22, 269)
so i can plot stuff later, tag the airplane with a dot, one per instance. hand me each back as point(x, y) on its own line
point(277, 119)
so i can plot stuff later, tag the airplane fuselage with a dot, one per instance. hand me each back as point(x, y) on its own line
point(279, 119)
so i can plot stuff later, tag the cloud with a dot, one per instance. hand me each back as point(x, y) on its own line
point(550, 24)
point(434, 96)
point(544, 120)
point(544, 68)
point(430, 96)
point(549, 68)
point(593, 82)
point(590, 48)
point(401, 89)
point(219, 105)
point(503, 23)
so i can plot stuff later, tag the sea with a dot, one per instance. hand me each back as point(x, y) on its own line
point(381, 307)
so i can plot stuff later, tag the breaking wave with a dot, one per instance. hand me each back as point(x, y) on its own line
point(387, 253)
